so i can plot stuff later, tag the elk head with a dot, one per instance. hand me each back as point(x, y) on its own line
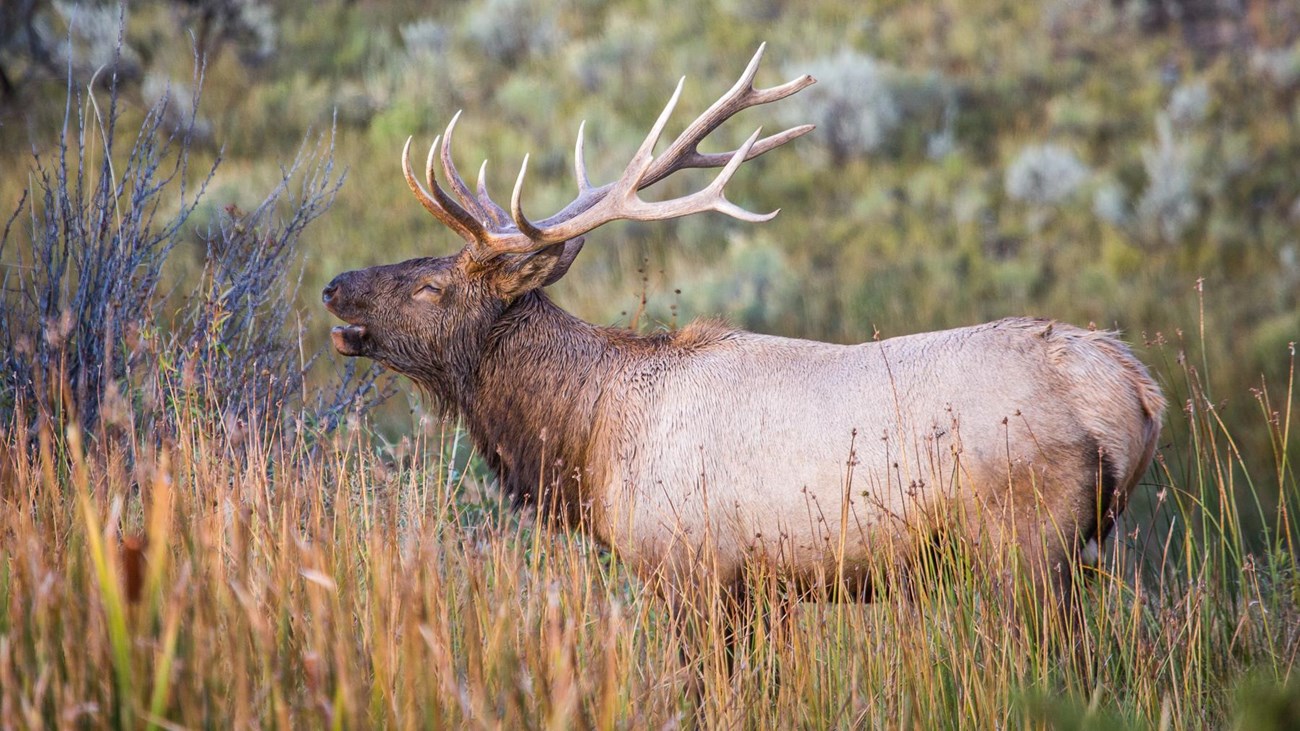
point(430, 318)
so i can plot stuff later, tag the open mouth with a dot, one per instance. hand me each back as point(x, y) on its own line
point(349, 339)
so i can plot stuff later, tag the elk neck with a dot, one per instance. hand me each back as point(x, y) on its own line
point(543, 379)
point(533, 398)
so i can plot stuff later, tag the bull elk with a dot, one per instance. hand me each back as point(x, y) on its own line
point(821, 462)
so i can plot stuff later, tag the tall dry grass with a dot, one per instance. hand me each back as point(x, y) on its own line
point(216, 577)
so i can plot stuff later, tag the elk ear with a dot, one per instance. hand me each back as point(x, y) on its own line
point(540, 269)
point(570, 252)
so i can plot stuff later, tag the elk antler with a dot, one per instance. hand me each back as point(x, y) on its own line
point(491, 230)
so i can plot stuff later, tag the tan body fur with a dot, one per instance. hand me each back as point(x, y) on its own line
point(720, 447)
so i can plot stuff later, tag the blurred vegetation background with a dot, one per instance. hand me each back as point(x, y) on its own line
point(1133, 164)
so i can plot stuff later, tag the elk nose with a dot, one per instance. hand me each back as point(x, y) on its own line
point(330, 290)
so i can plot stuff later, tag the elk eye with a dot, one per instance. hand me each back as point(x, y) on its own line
point(429, 289)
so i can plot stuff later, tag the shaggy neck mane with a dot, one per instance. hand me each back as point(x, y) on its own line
point(535, 394)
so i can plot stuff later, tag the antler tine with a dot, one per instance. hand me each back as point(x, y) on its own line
point(580, 161)
point(717, 196)
point(525, 226)
point(590, 198)
point(777, 93)
point(629, 182)
point(458, 184)
point(622, 202)
point(470, 228)
point(644, 157)
point(431, 203)
point(683, 152)
point(414, 184)
point(588, 195)
point(495, 212)
point(767, 144)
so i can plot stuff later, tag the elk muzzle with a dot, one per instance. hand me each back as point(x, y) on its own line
point(350, 339)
